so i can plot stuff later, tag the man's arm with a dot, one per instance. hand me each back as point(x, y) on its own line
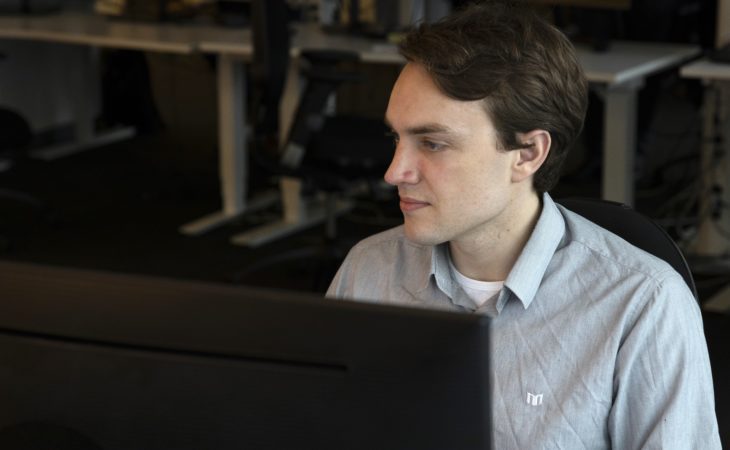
point(663, 393)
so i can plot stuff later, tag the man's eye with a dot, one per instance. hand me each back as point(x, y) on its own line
point(431, 145)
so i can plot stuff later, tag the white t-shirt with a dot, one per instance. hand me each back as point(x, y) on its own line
point(478, 291)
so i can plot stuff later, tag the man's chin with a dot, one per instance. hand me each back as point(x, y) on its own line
point(421, 237)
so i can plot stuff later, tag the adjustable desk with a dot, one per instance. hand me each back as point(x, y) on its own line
point(233, 46)
point(712, 240)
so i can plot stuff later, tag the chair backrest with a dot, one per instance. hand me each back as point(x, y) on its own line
point(635, 228)
point(271, 35)
point(321, 71)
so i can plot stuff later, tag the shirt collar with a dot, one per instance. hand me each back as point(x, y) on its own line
point(443, 275)
point(526, 275)
point(435, 272)
point(439, 270)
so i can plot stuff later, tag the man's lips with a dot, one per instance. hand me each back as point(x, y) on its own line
point(408, 204)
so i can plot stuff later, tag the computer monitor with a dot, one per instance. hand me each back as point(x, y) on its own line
point(93, 360)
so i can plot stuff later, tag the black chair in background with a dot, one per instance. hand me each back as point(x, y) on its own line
point(635, 228)
point(322, 159)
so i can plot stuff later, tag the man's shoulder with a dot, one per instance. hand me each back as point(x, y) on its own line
point(607, 248)
point(389, 254)
point(382, 268)
point(627, 281)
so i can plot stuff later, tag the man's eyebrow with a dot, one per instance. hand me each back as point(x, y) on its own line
point(428, 128)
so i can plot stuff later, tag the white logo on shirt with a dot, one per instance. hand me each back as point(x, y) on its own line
point(534, 399)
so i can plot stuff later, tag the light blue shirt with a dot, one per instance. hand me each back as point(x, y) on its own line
point(596, 343)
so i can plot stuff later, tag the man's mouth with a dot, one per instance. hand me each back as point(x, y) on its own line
point(408, 204)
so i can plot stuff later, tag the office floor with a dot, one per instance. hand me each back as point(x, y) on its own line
point(118, 207)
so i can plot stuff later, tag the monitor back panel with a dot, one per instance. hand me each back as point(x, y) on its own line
point(95, 360)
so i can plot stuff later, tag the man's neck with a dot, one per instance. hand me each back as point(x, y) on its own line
point(490, 255)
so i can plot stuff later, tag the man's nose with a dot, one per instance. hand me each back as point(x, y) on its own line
point(402, 167)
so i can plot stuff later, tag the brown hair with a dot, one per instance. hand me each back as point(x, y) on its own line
point(523, 68)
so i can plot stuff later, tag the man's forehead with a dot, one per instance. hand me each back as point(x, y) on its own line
point(444, 117)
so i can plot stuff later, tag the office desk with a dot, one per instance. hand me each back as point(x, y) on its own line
point(617, 74)
point(712, 238)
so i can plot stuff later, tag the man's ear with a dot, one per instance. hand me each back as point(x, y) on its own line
point(536, 145)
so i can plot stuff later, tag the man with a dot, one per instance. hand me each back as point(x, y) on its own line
point(596, 344)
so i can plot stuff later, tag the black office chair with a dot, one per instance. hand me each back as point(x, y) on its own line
point(323, 158)
point(635, 228)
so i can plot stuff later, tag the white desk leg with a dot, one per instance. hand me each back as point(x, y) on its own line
point(232, 135)
point(619, 148)
point(232, 155)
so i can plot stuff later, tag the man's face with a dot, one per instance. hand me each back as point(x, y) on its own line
point(453, 182)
